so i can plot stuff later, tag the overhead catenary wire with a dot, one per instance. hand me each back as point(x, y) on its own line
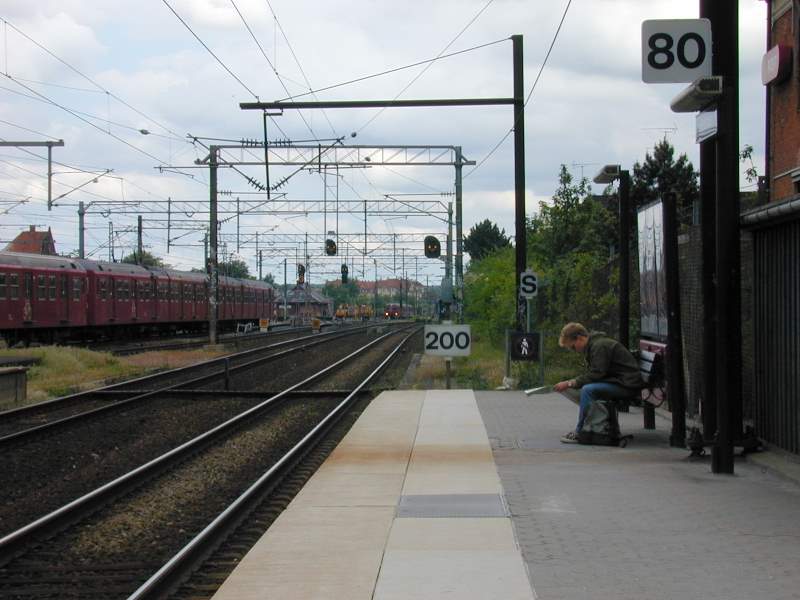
point(210, 51)
point(84, 76)
point(413, 80)
point(527, 99)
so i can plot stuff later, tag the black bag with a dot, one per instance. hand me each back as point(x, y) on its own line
point(601, 426)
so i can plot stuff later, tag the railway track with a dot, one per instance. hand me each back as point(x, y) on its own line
point(179, 506)
point(35, 419)
point(187, 342)
point(47, 465)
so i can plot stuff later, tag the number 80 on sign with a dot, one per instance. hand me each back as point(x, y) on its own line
point(676, 50)
point(448, 340)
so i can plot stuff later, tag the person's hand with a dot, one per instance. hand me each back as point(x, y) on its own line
point(562, 385)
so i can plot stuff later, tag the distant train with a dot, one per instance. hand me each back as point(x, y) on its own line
point(54, 299)
point(395, 311)
point(351, 311)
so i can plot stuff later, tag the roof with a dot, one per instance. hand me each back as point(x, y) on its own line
point(33, 242)
point(301, 293)
point(42, 261)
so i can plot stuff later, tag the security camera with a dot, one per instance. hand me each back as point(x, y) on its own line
point(701, 94)
point(607, 174)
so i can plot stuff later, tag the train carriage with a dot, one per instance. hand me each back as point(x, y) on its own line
point(115, 292)
point(41, 296)
point(56, 299)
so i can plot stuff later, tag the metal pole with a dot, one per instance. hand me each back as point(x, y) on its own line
point(139, 245)
point(459, 289)
point(169, 219)
point(708, 219)
point(519, 166)
point(49, 177)
point(285, 298)
point(449, 267)
point(364, 257)
point(402, 276)
point(725, 25)
point(674, 358)
point(624, 257)
point(212, 236)
point(708, 176)
point(81, 230)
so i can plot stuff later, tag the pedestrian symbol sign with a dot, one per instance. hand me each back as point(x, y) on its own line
point(524, 346)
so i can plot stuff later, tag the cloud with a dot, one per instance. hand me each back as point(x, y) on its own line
point(589, 106)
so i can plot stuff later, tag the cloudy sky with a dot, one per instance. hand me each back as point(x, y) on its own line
point(99, 74)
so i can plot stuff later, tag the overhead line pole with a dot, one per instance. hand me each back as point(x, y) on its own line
point(518, 101)
point(212, 260)
point(49, 162)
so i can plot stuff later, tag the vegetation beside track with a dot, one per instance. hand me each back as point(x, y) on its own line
point(61, 370)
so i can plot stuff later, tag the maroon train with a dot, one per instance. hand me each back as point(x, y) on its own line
point(393, 311)
point(56, 299)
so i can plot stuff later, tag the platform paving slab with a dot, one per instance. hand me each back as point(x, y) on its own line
point(409, 505)
point(642, 521)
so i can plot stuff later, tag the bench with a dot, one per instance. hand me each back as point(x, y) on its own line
point(653, 393)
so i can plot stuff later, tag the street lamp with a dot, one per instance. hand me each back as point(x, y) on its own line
point(608, 174)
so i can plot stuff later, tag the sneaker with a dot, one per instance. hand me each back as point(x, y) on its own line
point(569, 438)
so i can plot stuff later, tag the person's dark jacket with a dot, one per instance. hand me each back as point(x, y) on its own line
point(609, 361)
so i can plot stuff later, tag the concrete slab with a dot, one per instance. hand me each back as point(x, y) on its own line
point(344, 537)
point(452, 558)
point(313, 554)
point(334, 487)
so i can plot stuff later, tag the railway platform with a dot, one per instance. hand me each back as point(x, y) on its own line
point(461, 494)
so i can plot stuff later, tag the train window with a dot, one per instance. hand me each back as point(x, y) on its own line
point(133, 290)
point(101, 291)
point(52, 287)
point(76, 288)
point(13, 286)
point(2, 286)
point(41, 287)
point(64, 286)
point(28, 291)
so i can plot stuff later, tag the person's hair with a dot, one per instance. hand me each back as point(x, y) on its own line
point(570, 332)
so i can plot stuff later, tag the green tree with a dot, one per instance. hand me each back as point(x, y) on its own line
point(342, 293)
point(269, 278)
point(660, 173)
point(568, 246)
point(235, 268)
point(148, 259)
point(484, 238)
point(489, 288)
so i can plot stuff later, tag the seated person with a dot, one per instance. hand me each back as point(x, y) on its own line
point(613, 372)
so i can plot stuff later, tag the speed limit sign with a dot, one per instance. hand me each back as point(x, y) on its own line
point(676, 50)
point(448, 340)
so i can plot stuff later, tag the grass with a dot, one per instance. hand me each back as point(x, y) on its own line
point(63, 371)
point(485, 369)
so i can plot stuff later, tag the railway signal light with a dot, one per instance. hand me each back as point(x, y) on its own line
point(301, 273)
point(330, 247)
point(433, 249)
point(344, 273)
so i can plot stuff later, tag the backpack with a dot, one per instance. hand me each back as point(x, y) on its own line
point(601, 426)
